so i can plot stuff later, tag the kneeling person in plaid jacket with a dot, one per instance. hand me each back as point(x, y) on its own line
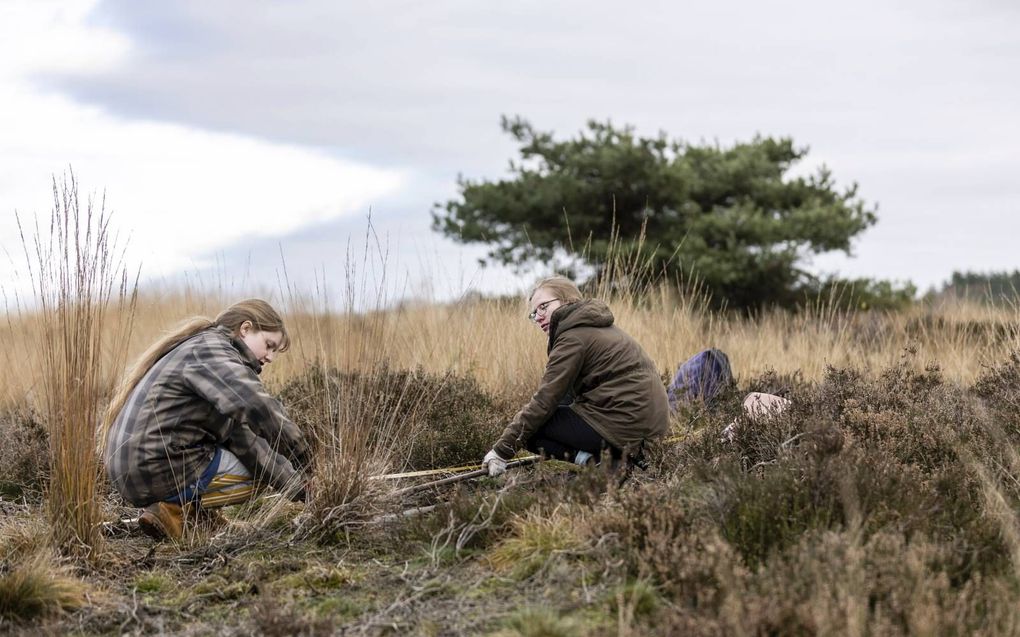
point(193, 428)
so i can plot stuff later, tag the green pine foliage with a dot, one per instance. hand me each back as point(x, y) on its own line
point(731, 217)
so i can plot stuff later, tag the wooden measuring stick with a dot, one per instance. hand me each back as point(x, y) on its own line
point(464, 476)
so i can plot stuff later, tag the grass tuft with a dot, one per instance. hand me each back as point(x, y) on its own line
point(273, 619)
point(536, 540)
point(636, 599)
point(539, 622)
point(37, 588)
point(21, 536)
point(152, 583)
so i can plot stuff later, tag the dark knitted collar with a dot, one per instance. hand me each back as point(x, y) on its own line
point(246, 354)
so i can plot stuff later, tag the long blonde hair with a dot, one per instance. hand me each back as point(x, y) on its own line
point(263, 319)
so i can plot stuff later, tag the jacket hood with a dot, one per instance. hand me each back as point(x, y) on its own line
point(587, 313)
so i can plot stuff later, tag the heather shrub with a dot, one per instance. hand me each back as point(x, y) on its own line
point(805, 516)
point(638, 516)
point(999, 386)
point(875, 492)
point(839, 582)
point(889, 453)
point(663, 535)
point(362, 424)
point(915, 415)
point(24, 454)
point(429, 420)
point(835, 579)
point(476, 516)
point(760, 515)
point(469, 520)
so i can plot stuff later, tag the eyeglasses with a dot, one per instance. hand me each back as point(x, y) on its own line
point(540, 308)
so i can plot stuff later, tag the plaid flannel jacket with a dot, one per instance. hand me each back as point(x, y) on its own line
point(204, 393)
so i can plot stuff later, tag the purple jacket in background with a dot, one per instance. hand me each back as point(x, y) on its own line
point(700, 378)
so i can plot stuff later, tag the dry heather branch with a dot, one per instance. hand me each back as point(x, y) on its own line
point(999, 509)
point(342, 495)
point(458, 534)
point(361, 424)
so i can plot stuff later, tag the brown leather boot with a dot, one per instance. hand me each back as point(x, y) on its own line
point(162, 519)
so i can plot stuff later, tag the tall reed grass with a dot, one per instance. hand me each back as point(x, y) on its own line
point(84, 306)
point(493, 340)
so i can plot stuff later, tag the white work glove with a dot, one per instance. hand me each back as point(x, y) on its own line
point(493, 463)
point(729, 434)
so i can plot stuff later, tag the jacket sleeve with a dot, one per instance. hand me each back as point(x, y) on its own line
point(235, 391)
point(565, 360)
point(267, 466)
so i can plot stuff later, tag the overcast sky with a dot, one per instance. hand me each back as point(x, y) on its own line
point(225, 134)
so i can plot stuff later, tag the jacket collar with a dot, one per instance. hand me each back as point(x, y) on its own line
point(246, 354)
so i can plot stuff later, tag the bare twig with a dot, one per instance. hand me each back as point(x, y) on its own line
point(786, 444)
point(407, 513)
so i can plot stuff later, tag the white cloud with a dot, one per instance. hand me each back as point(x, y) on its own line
point(48, 35)
point(179, 192)
point(912, 100)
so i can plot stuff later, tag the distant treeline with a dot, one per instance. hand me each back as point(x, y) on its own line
point(993, 288)
point(990, 287)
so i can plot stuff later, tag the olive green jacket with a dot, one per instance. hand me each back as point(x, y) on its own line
point(616, 387)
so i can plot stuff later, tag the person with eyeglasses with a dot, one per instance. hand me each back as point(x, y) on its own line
point(600, 392)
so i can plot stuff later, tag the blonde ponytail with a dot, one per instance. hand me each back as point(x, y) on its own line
point(145, 362)
point(261, 315)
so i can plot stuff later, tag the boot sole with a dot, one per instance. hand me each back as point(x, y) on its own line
point(152, 527)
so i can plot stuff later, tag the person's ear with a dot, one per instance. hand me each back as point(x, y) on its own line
point(244, 329)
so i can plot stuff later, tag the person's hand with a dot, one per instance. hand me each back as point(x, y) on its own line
point(494, 463)
point(729, 434)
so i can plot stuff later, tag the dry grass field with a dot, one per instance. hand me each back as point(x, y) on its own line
point(883, 502)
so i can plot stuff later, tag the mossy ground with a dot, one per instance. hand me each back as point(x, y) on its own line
point(382, 582)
